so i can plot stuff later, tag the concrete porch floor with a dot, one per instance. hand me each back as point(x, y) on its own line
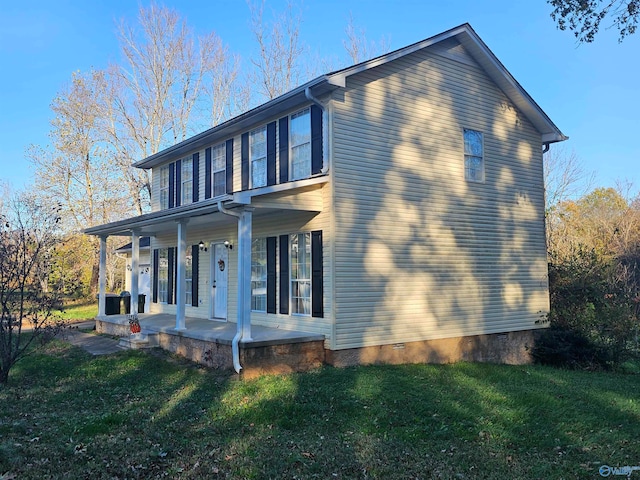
point(271, 350)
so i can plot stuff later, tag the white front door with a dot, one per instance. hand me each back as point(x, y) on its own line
point(219, 273)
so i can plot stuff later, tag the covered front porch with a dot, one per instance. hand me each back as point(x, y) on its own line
point(209, 343)
point(213, 219)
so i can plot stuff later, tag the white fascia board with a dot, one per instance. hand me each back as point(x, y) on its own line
point(244, 198)
point(124, 227)
point(509, 85)
point(339, 78)
point(485, 58)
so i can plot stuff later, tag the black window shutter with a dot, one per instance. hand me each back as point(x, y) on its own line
point(316, 275)
point(171, 275)
point(283, 140)
point(244, 155)
point(196, 176)
point(284, 274)
point(271, 153)
point(271, 274)
point(195, 264)
point(229, 166)
point(172, 185)
point(207, 173)
point(178, 183)
point(156, 260)
point(316, 139)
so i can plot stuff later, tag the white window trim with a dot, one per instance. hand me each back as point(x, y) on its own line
point(161, 188)
point(222, 147)
point(261, 280)
point(188, 291)
point(166, 290)
point(186, 164)
point(291, 145)
point(465, 155)
point(252, 159)
point(309, 279)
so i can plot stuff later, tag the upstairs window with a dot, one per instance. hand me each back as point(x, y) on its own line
point(219, 170)
point(186, 190)
point(300, 138)
point(473, 156)
point(258, 156)
point(164, 187)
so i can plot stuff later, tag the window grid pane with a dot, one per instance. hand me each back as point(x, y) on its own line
point(300, 138)
point(301, 161)
point(163, 275)
point(301, 273)
point(219, 169)
point(473, 156)
point(219, 183)
point(187, 181)
point(259, 275)
point(189, 279)
point(258, 157)
point(164, 187)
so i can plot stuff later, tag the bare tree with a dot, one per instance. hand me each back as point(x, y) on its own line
point(359, 48)
point(77, 172)
point(278, 61)
point(28, 234)
point(565, 179)
point(565, 176)
point(159, 96)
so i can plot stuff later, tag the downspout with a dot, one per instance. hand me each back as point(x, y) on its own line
point(235, 350)
point(326, 158)
point(547, 145)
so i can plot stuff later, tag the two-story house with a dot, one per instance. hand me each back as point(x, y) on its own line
point(392, 211)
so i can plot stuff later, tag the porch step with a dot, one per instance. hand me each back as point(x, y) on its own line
point(141, 340)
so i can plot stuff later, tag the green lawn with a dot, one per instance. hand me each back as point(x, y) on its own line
point(150, 415)
point(79, 311)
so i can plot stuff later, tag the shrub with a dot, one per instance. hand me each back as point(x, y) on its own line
point(594, 312)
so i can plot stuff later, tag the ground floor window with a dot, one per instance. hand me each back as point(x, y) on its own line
point(163, 275)
point(165, 269)
point(300, 244)
point(189, 278)
point(259, 275)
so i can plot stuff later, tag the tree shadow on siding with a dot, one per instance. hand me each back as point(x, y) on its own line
point(433, 255)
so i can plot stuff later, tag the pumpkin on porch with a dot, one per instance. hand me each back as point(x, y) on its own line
point(134, 325)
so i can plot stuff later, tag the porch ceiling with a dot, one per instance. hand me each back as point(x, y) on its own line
point(304, 196)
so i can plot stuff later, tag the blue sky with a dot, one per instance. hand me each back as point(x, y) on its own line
point(590, 91)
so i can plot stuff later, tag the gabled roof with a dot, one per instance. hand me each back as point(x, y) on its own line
point(464, 34)
point(145, 243)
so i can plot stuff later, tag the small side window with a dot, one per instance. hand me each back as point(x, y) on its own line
point(473, 156)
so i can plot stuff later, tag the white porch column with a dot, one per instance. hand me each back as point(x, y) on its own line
point(181, 275)
point(135, 267)
point(102, 277)
point(245, 221)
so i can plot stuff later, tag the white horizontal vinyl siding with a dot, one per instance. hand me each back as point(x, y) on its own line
point(419, 252)
point(288, 222)
point(194, 236)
